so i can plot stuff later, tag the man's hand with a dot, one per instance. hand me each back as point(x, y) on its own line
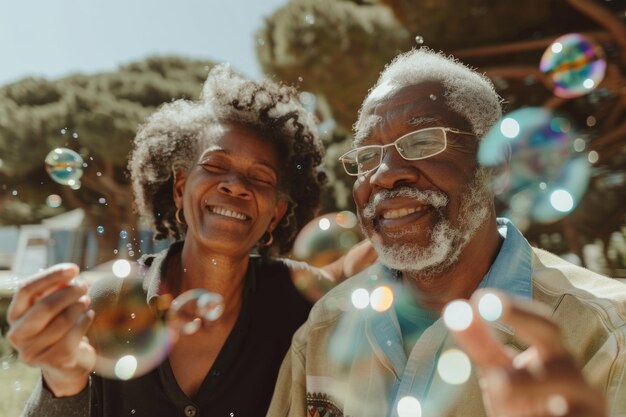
point(49, 317)
point(544, 380)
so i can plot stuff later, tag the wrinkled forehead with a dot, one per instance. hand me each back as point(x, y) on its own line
point(390, 108)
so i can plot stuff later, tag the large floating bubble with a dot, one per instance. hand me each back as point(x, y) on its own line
point(129, 338)
point(320, 242)
point(548, 171)
point(132, 337)
point(326, 238)
point(64, 166)
point(576, 65)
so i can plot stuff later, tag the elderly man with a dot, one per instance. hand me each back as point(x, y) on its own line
point(376, 345)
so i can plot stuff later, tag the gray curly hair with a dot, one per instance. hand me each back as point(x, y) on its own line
point(468, 93)
point(177, 132)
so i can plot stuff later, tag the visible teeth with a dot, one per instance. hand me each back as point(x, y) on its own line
point(228, 213)
point(394, 214)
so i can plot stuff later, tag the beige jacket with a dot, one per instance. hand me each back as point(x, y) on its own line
point(321, 377)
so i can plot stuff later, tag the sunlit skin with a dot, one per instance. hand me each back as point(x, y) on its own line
point(511, 385)
point(519, 385)
point(449, 172)
point(228, 175)
point(237, 174)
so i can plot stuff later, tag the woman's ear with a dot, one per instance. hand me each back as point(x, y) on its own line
point(180, 178)
point(279, 211)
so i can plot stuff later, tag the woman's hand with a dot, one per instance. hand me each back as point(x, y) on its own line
point(48, 319)
point(544, 380)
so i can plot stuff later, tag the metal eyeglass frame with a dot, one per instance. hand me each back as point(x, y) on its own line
point(345, 157)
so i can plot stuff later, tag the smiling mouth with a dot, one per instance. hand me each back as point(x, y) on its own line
point(228, 213)
point(397, 213)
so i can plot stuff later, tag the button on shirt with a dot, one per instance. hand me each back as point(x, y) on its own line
point(416, 368)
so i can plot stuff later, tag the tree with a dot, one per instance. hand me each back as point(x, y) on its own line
point(335, 49)
point(96, 116)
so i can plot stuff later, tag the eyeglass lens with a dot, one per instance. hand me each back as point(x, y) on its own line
point(416, 145)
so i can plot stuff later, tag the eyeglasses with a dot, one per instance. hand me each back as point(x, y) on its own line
point(420, 144)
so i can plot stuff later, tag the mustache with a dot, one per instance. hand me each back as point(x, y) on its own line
point(434, 198)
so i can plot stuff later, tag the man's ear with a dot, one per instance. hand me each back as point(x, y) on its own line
point(180, 178)
point(279, 211)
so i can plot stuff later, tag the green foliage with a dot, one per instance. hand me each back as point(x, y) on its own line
point(95, 115)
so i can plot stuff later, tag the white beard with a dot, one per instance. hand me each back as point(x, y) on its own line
point(446, 241)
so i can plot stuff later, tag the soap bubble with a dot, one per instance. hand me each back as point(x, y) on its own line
point(193, 309)
point(54, 200)
point(381, 299)
point(575, 64)
point(454, 367)
point(129, 338)
point(458, 315)
point(64, 166)
point(548, 171)
point(409, 407)
point(132, 337)
point(326, 238)
point(360, 298)
point(320, 242)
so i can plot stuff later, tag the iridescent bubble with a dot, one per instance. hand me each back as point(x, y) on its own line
point(54, 200)
point(562, 201)
point(458, 315)
point(419, 40)
point(381, 299)
point(346, 219)
point(321, 241)
point(544, 150)
point(193, 309)
point(121, 268)
point(409, 407)
point(490, 307)
point(123, 234)
point(576, 65)
point(454, 367)
point(326, 238)
point(64, 166)
point(360, 298)
point(324, 224)
point(129, 338)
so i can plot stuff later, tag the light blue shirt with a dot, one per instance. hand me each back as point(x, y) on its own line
point(510, 272)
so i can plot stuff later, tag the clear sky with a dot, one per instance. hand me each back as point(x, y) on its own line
point(54, 38)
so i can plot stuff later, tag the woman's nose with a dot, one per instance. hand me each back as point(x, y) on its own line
point(236, 186)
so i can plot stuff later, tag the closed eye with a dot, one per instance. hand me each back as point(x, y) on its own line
point(263, 181)
point(213, 167)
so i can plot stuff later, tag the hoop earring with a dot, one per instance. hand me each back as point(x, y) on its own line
point(269, 240)
point(179, 212)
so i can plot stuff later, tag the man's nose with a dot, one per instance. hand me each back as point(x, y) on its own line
point(394, 170)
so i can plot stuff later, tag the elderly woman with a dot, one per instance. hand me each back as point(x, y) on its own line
point(232, 174)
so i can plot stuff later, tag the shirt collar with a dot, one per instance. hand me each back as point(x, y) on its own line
point(511, 271)
point(153, 268)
